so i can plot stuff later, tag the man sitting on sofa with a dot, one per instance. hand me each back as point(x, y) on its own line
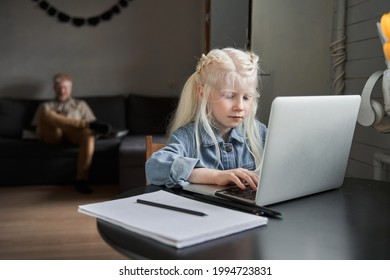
point(68, 119)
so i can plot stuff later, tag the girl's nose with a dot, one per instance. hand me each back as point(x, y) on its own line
point(239, 105)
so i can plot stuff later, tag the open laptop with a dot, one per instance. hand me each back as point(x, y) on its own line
point(306, 151)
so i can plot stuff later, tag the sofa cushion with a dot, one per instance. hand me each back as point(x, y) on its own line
point(28, 162)
point(149, 115)
point(16, 115)
point(23, 149)
point(110, 109)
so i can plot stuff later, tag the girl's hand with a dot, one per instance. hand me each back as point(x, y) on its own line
point(238, 176)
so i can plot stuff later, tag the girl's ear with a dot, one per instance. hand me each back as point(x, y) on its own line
point(200, 91)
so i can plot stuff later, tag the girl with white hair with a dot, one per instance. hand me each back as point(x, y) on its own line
point(214, 136)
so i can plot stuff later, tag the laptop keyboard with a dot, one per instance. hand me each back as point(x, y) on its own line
point(248, 193)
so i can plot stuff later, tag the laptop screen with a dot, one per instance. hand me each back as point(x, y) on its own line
point(307, 146)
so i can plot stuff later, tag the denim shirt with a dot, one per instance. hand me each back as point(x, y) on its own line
point(173, 164)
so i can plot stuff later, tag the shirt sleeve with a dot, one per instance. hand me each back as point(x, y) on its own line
point(86, 112)
point(172, 165)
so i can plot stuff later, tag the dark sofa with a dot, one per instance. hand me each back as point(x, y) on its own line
point(116, 160)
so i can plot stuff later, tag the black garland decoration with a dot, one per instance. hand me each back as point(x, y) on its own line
point(78, 21)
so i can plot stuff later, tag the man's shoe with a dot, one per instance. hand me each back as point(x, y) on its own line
point(82, 186)
point(100, 127)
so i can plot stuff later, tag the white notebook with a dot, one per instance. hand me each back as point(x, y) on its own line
point(172, 227)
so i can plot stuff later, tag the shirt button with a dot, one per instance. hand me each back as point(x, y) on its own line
point(228, 149)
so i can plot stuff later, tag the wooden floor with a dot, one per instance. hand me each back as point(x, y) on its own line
point(42, 223)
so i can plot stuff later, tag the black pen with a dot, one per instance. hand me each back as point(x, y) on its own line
point(170, 207)
point(257, 210)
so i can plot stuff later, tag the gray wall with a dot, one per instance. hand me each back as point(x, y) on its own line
point(149, 48)
point(364, 57)
point(229, 24)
